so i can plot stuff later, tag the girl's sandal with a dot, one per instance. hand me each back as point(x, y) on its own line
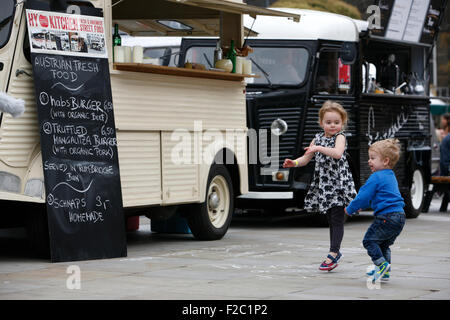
point(329, 266)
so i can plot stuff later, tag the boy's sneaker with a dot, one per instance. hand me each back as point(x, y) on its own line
point(380, 271)
point(385, 277)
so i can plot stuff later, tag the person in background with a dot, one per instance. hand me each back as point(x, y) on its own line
point(445, 119)
point(444, 161)
point(444, 164)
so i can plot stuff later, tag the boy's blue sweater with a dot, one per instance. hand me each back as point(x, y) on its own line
point(380, 192)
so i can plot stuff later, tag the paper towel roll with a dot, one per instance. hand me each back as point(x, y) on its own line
point(127, 51)
point(239, 62)
point(119, 54)
point(247, 66)
point(138, 54)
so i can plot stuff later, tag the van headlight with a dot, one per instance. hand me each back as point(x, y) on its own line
point(34, 188)
point(9, 182)
point(278, 127)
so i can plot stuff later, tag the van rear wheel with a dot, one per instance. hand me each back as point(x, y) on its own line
point(415, 197)
point(210, 220)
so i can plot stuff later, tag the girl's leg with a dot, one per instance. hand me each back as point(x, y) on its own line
point(330, 223)
point(336, 223)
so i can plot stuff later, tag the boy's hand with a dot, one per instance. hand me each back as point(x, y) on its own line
point(345, 209)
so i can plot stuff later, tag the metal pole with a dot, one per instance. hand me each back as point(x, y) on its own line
point(435, 77)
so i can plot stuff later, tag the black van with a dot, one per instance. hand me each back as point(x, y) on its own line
point(380, 81)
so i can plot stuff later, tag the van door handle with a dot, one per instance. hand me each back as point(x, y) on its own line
point(1, 66)
point(20, 71)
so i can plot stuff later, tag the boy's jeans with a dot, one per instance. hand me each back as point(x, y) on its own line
point(382, 234)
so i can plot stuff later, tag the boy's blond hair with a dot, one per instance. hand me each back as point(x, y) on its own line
point(333, 106)
point(388, 148)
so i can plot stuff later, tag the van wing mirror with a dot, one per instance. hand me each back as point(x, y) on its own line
point(166, 57)
point(348, 52)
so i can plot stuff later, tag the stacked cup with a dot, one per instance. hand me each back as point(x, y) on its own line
point(128, 54)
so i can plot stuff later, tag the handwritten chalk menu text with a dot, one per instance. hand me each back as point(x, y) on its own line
point(79, 155)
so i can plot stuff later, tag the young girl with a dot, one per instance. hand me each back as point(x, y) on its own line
point(332, 187)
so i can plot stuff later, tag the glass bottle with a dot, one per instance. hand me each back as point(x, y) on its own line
point(232, 56)
point(217, 53)
point(117, 40)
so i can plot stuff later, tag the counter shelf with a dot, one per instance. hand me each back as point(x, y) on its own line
point(183, 72)
point(391, 95)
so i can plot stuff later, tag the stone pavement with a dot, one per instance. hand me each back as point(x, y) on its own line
point(257, 259)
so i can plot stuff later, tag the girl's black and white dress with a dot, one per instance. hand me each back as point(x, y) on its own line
point(332, 184)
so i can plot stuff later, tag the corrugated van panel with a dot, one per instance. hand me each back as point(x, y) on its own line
point(179, 171)
point(144, 101)
point(19, 136)
point(234, 140)
point(140, 171)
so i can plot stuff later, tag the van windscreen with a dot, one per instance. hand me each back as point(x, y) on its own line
point(6, 20)
point(272, 65)
point(279, 65)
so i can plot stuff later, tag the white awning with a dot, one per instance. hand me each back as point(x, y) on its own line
point(237, 8)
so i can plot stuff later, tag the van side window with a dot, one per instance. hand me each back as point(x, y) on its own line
point(202, 55)
point(6, 20)
point(333, 77)
point(162, 56)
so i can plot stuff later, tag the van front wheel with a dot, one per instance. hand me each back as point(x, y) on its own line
point(210, 220)
point(38, 232)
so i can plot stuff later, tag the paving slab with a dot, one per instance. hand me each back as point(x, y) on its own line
point(258, 259)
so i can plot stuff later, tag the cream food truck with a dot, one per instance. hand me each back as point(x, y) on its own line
point(159, 111)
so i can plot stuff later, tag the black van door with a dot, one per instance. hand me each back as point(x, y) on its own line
point(276, 108)
point(335, 81)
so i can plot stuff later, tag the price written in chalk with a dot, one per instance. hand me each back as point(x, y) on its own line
point(103, 203)
point(107, 131)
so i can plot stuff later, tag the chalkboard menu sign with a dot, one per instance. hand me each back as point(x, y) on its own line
point(78, 138)
point(409, 20)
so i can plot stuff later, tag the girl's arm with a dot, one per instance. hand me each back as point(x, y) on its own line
point(335, 152)
point(301, 161)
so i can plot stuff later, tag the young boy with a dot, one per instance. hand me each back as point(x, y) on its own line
point(381, 193)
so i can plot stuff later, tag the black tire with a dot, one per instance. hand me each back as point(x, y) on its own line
point(202, 225)
point(38, 232)
point(415, 197)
